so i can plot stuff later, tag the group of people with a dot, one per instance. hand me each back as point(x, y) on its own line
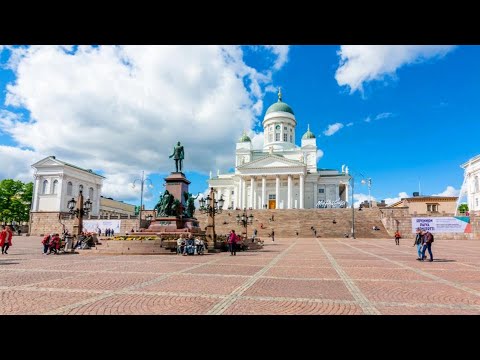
point(423, 242)
point(190, 246)
point(51, 243)
point(6, 236)
point(108, 232)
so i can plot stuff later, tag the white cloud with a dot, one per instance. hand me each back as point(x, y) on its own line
point(384, 115)
point(363, 63)
point(393, 200)
point(257, 140)
point(349, 124)
point(368, 119)
point(319, 154)
point(360, 198)
point(16, 163)
point(281, 51)
point(449, 191)
point(332, 129)
point(121, 109)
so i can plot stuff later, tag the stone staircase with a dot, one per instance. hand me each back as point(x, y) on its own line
point(287, 222)
point(128, 247)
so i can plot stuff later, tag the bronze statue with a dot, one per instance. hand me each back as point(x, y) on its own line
point(190, 201)
point(164, 205)
point(178, 156)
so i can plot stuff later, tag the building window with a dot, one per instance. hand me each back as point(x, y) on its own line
point(80, 188)
point(55, 187)
point(90, 193)
point(291, 129)
point(285, 137)
point(277, 137)
point(321, 191)
point(45, 187)
point(284, 128)
point(271, 197)
point(291, 138)
point(69, 188)
point(477, 187)
point(432, 207)
point(476, 202)
point(233, 192)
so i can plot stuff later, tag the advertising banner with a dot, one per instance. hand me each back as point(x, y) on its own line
point(94, 225)
point(452, 224)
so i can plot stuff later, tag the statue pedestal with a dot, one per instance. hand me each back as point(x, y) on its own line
point(176, 185)
point(173, 224)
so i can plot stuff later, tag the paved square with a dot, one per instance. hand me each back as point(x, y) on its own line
point(291, 276)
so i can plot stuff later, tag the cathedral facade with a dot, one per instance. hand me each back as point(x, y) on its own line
point(282, 175)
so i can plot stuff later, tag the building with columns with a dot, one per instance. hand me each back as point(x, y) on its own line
point(471, 183)
point(56, 182)
point(282, 175)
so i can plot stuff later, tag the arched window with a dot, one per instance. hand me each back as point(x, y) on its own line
point(80, 188)
point(69, 188)
point(55, 187)
point(477, 186)
point(45, 187)
point(90, 193)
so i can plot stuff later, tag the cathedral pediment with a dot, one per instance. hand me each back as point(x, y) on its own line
point(48, 161)
point(271, 161)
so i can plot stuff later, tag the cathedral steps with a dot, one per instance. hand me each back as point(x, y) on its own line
point(286, 223)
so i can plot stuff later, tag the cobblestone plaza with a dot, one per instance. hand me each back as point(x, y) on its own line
point(289, 276)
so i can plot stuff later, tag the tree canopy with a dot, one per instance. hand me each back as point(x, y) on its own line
point(463, 207)
point(15, 200)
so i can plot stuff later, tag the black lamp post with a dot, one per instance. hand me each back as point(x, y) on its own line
point(211, 207)
point(79, 209)
point(245, 220)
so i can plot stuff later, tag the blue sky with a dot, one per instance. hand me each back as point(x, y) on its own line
point(404, 114)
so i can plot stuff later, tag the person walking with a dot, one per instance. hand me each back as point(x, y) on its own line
point(46, 243)
point(397, 237)
point(6, 238)
point(232, 243)
point(419, 243)
point(273, 235)
point(427, 245)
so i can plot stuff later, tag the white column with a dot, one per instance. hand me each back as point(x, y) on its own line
point(239, 194)
point(302, 190)
point(244, 194)
point(277, 192)
point(264, 180)
point(252, 180)
point(289, 192)
point(337, 192)
point(315, 194)
point(347, 198)
point(36, 192)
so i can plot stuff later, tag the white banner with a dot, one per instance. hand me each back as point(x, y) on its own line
point(94, 225)
point(458, 224)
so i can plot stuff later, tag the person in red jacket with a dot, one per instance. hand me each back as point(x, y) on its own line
point(232, 243)
point(397, 237)
point(6, 238)
point(46, 243)
point(54, 244)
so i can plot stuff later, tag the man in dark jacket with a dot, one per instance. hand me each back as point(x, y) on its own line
point(418, 242)
point(427, 244)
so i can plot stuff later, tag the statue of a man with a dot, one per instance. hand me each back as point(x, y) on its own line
point(178, 156)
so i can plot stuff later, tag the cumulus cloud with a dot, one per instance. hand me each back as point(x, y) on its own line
point(401, 195)
point(121, 109)
point(360, 64)
point(319, 154)
point(449, 191)
point(332, 129)
point(16, 163)
point(360, 198)
point(257, 140)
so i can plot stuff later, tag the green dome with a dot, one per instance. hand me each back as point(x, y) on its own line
point(244, 138)
point(308, 134)
point(280, 106)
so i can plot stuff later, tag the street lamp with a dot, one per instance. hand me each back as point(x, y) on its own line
point(211, 207)
point(79, 209)
point(245, 220)
point(353, 207)
point(368, 181)
point(142, 183)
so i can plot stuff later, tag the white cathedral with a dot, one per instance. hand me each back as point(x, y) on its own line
point(282, 175)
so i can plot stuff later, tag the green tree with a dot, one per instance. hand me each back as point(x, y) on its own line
point(15, 200)
point(463, 208)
